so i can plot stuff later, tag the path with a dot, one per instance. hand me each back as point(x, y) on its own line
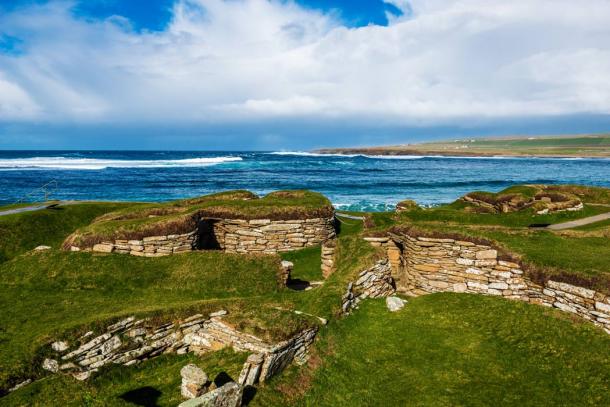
point(579, 222)
point(345, 215)
point(35, 207)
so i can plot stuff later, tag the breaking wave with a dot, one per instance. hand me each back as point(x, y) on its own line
point(100, 164)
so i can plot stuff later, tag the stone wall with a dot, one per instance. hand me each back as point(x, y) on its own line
point(272, 236)
point(375, 282)
point(231, 235)
point(327, 264)
point(429, 265)
point(153, 246)
point(131, 341)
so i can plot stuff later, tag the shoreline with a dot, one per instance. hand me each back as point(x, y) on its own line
point(390, 152)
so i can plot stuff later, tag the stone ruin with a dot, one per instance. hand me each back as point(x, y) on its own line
point(421, 265)
point(132, 340)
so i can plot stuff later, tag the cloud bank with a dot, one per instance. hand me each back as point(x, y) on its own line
point(246, 61)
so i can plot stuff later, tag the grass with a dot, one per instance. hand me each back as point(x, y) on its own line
point(306, 263)
point(24, 231)
point(564, 146)
point(450, 349)
point(446, 349)
point(155, 382)
point(43, 295)
point(182, 216)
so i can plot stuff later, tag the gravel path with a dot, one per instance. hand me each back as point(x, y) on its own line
point(579, 222)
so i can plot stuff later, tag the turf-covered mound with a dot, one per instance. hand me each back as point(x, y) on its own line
point(539, 198)
point(183, 216)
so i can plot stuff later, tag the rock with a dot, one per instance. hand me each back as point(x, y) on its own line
point(41, 248)
point(51, 365)
point(218, 313)
point(103, 248)
point(250, 373)
point(487, 255)
point(20, 385)
point(229, 395)
point(194, 381)
point(59, 346)
point(394, 303)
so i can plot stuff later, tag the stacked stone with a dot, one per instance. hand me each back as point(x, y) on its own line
point(285, 271)
point(151, 246)
point(374, 282)
point(272, 236)
point(440, 265)
point(393, 251)
point(328, 257)
point(131, 341)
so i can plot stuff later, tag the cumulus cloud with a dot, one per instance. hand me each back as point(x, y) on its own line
point(230, 61)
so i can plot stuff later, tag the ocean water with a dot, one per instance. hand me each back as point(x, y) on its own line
point(351, 182)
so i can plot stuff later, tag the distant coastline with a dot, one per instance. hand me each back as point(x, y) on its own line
point(576, 146)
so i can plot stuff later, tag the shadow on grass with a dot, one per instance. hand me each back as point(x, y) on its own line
point(144, 396)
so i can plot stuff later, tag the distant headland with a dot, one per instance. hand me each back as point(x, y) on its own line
point(594, 145)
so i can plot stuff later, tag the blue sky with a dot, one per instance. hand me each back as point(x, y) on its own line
point(272, 74)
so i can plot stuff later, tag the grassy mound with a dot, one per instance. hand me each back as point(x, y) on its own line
point(48, 294)
point(24, 231)
point(450, 349)
point(539, 198)
point(182, 216)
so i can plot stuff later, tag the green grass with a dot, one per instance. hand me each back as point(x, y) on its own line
point(306, 263)
point(24, 231)
point(155, 382)
point(451, 349)
point(43, 295)
point(601, 225)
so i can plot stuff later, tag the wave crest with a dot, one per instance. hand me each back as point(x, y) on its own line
point(100, 163)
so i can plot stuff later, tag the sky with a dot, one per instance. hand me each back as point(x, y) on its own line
point(302, 74)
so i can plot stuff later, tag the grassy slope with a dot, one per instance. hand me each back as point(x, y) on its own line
point(24, 231)
point(451, 349)
point(44, 294)
point(155, 382)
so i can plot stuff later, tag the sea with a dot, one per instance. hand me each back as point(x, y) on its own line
point(351, 182)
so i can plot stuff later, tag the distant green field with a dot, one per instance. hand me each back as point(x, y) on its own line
point(568, 146)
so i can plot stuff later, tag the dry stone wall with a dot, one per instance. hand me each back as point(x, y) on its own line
point(131, 341)
point(152, 246)
point(375, 282)
point(429, 265)
point(231, 235)
point(272, 236)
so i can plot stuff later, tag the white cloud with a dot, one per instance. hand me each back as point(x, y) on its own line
point(218, 61)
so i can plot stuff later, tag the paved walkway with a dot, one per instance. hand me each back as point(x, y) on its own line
point(579, 222)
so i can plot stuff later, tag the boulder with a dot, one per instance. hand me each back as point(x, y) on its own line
point(59, 346)
point(394, 303)
point(194, 381)
point(41, 248)
point(51, 365)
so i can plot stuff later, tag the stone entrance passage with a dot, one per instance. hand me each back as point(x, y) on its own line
point(207, 237)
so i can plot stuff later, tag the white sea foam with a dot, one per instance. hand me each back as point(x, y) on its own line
point(100, 163)
point(307, 154)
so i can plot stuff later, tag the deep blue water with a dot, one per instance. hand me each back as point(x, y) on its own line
point(355, 182)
